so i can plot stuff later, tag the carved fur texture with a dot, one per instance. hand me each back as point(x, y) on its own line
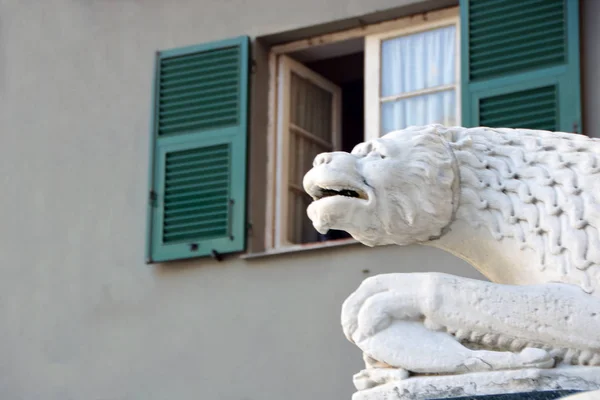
point(541, 189)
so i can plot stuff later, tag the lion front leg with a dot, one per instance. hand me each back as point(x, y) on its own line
point(403, 320)
point(411, 346)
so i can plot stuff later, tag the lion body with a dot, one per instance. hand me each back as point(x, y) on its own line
point(537, 189)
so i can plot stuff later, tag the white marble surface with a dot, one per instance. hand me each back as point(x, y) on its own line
point(521, 206)
point(440, 323)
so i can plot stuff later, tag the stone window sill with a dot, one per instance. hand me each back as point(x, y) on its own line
point(300, 248)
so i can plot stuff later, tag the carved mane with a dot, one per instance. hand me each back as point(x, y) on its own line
point(542, 189)
point(428, 177)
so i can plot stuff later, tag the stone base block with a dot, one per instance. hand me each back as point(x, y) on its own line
point(466, 386)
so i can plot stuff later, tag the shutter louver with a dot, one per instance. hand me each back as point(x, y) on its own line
point(199, 151)
point(520, 64)
point(196, 194)
point(507, 37)
point(199, 92)
point(536, 108)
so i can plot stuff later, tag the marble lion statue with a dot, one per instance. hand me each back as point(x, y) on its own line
point(522, 206)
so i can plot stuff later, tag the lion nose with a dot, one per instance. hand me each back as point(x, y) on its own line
point(323, 158)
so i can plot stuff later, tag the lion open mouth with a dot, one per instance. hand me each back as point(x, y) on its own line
point(319, 193)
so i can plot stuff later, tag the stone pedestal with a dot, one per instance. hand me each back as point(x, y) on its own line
point(557, 382)
point(545, 395)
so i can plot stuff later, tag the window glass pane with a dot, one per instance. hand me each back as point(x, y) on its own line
point(431, 108)
point(418, 61)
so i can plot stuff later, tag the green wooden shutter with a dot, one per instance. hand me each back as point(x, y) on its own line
point(197, 199)
point(520, 64)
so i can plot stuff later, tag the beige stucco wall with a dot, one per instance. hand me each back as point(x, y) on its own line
point(81, 315)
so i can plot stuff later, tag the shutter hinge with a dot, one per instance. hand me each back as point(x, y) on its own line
point(152, 196)
point(252, 66)
point(575, 127)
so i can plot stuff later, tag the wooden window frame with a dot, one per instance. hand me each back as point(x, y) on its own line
point(275, 241)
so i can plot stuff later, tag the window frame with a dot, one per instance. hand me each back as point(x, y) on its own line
point(373, 98)
point(274, 241)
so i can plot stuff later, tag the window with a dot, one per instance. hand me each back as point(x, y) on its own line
point(501, 66)
point(497, 65)
point(385, 77)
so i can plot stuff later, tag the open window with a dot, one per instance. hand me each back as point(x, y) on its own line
point(354, 86)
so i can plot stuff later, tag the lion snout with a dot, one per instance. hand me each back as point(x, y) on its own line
point(335, 157)
point(328, 168)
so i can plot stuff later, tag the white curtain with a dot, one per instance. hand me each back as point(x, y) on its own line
point(415, 62)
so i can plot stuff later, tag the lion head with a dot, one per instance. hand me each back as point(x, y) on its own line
point(397, 189)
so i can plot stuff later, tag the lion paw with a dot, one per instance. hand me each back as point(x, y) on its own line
point(372, 377)
point(532, 357)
